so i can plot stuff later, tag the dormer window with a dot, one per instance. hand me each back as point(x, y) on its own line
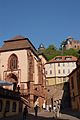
point(58, 58)
point(68, 58)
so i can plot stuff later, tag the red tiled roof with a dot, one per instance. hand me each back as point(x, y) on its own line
point(63, 59)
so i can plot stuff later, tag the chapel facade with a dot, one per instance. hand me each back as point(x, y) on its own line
point(21, 65)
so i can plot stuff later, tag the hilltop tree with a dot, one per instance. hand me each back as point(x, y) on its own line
point(70, 51)
point(51, 52)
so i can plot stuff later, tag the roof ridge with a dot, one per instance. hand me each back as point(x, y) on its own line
point(18, 37)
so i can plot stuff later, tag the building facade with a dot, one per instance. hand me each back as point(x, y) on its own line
point(74, 81)
point(71, 43)
point(57, 80)
point(59, 68)
point(10, 103)
point(20, 64)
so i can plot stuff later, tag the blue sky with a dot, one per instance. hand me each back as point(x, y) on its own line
point(42, 21)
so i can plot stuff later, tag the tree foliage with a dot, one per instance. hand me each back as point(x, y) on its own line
point(52, 51)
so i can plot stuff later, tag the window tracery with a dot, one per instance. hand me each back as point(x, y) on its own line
point(13, 62)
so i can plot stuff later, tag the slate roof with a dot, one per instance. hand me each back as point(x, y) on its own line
point(16, 43)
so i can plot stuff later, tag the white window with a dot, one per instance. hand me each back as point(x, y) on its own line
point(58, 58)
point(50, 71)
point(59, 71)
point(58, 64)
point(68, 58)
point(63, 64)
point(63, 71)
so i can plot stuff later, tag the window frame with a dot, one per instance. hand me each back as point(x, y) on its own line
point(13, 62)
point(50, 72)
point(59, 71)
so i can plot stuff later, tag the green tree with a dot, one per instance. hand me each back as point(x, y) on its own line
point(70, 51)
point(51, 52)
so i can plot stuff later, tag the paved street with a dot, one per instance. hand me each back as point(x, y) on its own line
point(45, 116)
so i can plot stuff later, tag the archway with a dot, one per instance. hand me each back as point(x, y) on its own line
point(11, 77)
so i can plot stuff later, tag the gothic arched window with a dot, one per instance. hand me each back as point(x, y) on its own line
point(13, 62)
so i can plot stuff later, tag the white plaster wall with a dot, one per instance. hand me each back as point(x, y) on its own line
point(49, 67)
point(54, 67)
point(67, 66)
